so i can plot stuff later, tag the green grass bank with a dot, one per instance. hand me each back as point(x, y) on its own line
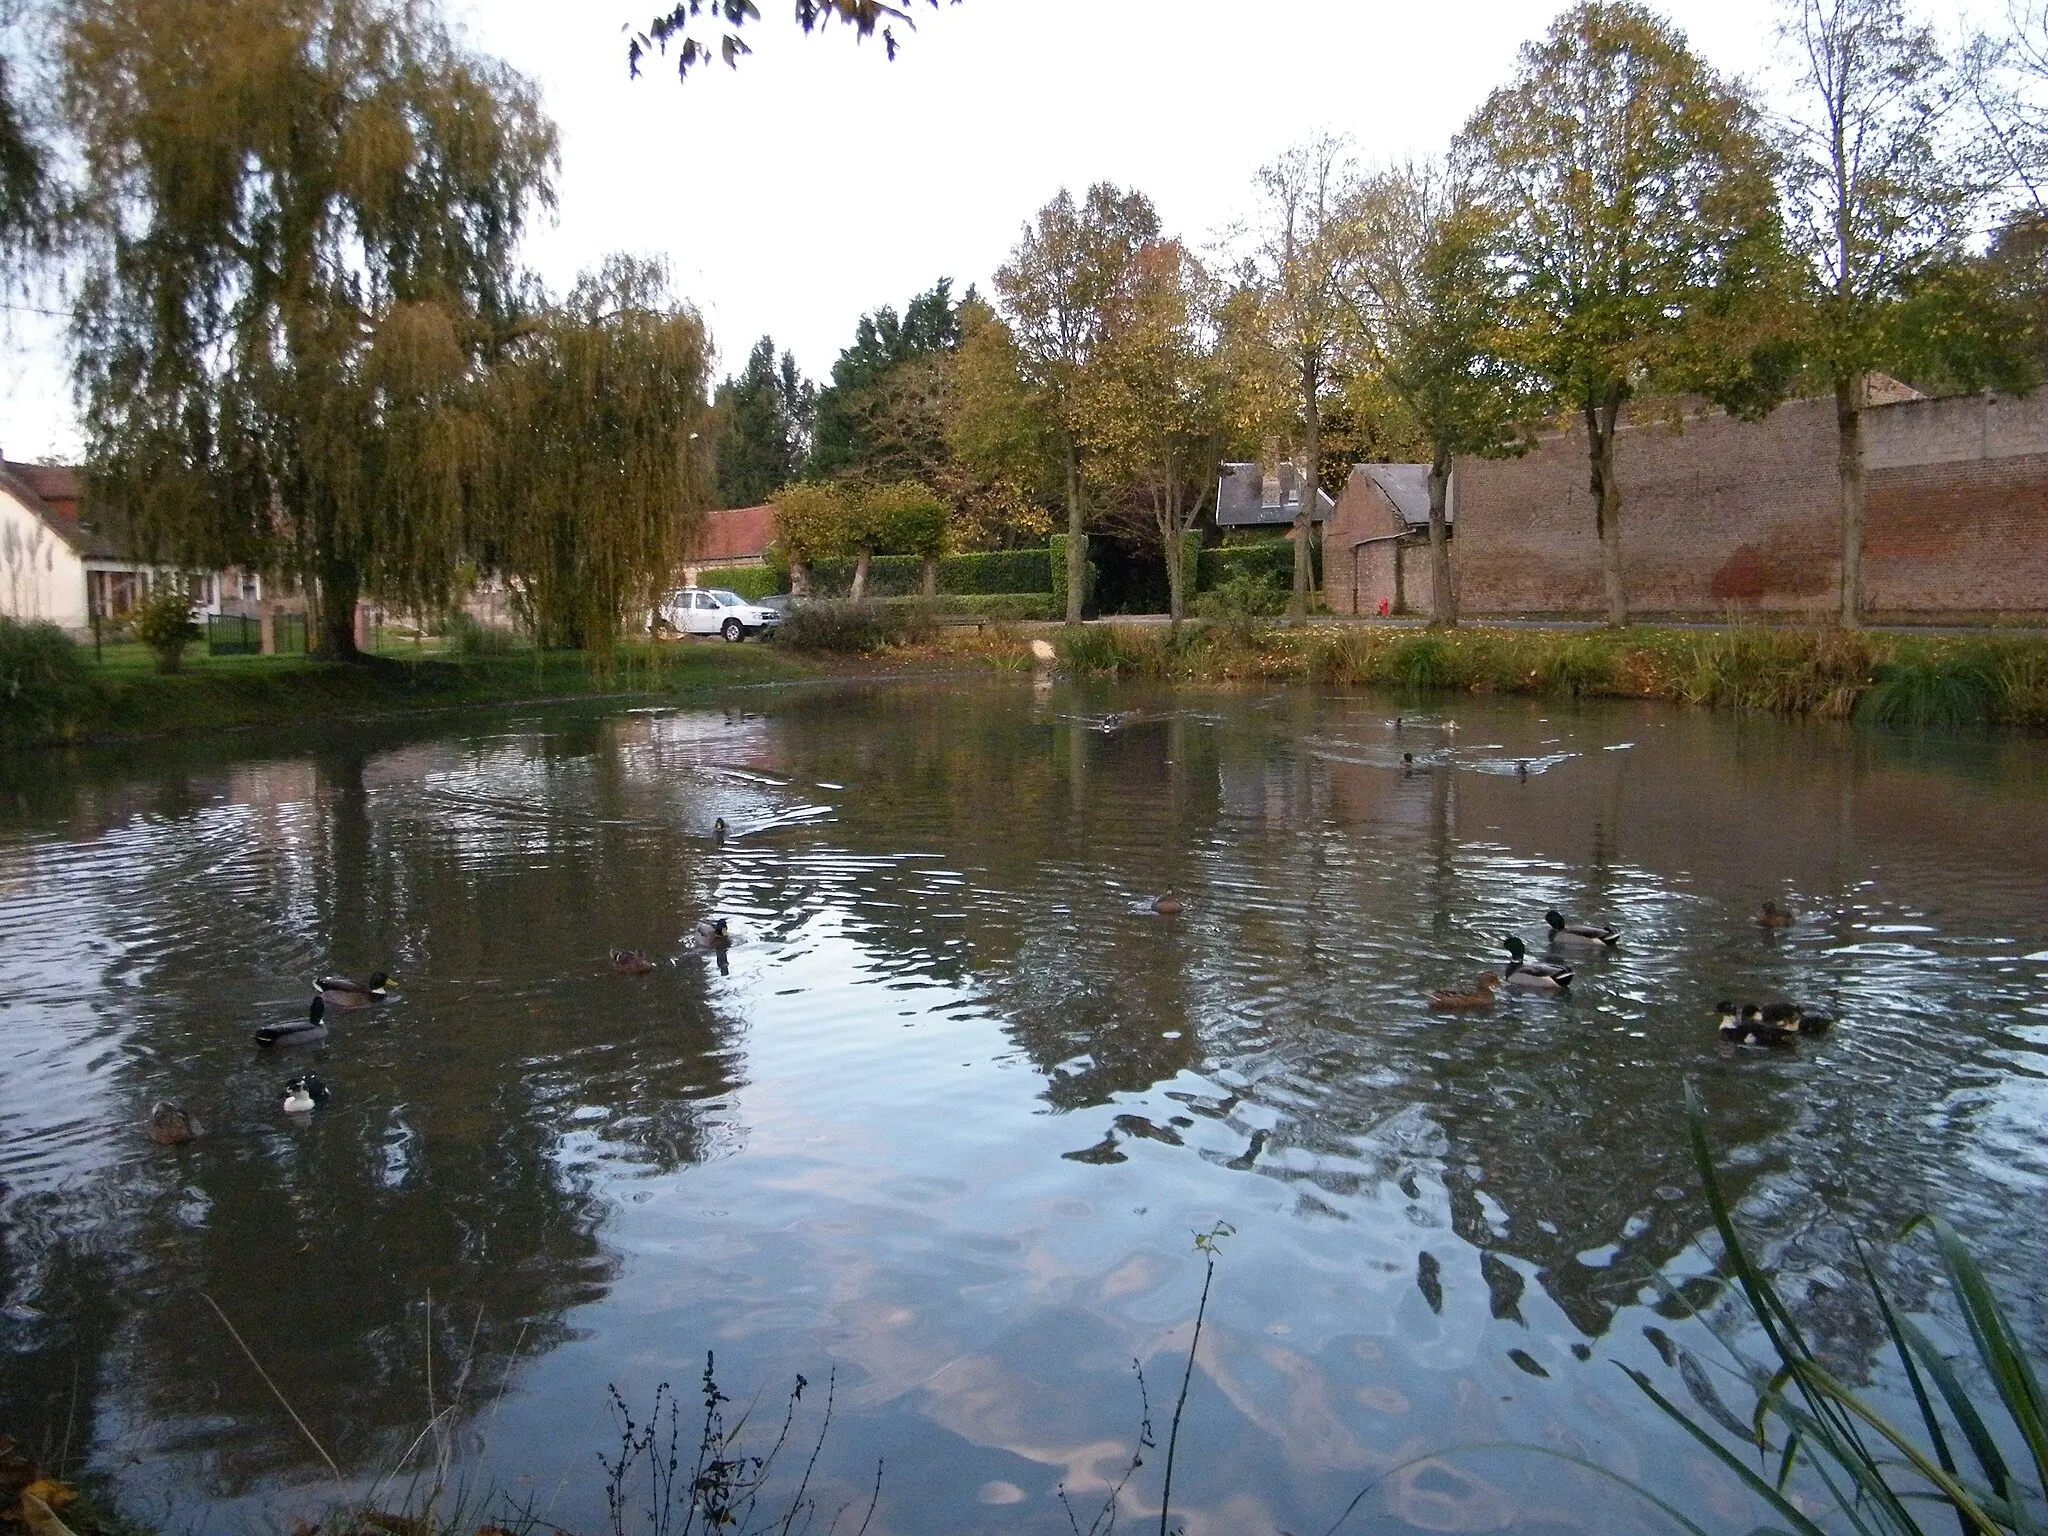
point(1926, 681)
point(57, 693)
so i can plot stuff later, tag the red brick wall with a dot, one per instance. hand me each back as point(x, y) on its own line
point(1726, 516)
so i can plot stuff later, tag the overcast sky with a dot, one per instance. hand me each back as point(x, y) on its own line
point(818, 180)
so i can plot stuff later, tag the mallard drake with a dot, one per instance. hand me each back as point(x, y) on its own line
point(1532, 975)
point(711, 933)
point(1585, 935)
point(1795, 1020)
point(1169, 905)
point(342, 992)
point(311, 1032)
point(718, 830)
point(1481, 998)
point(631, 962)
point(304, 1094)
point(170, 1125)
point(1771, 915)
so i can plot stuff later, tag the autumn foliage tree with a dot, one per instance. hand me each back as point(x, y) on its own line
point(1060, 292)
point(1157, 414)
point(1633, 189)
point(1430, 302)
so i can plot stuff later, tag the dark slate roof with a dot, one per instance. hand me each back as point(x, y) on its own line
point(1241, 503)
point(1407, 487)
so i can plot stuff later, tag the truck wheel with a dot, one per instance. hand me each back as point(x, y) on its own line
point(734, 631)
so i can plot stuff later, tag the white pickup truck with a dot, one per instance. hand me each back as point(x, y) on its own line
point(714, 611)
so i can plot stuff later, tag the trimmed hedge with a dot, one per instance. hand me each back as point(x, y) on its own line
point(1010, 607)
point(1268, 556)
point(1001, 570)
point(753, 582)
point(1056, 569)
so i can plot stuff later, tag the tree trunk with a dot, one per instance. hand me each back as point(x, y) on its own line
point(931, 578)
point(1443, 602)
point(340, 586)
point(1174, 538)
point(799, 578)
point(1304, 518)
point(1077, 552)
point(1601, 420)
point(860, 575)
point(1849, 427)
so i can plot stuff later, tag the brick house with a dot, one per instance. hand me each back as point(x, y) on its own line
point(1376, 544)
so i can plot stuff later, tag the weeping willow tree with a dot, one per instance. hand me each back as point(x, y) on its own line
point(601, 464)
point(303, 216)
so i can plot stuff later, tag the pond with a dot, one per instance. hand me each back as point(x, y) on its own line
point(937, 1130)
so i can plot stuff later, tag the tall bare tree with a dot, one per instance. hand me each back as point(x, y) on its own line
point(1060, 290)
point(1633, 187)
point(1305, 251)
point(1429, 298)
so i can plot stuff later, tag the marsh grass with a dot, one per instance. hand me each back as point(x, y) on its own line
point(1947, 693)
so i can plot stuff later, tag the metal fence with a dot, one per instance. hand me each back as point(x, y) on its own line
point(234, 634)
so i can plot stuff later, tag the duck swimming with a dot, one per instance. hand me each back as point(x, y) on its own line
point(341, 992)
point(311, 1032)
point(1169, 905)
point(1532, 975)
point(1795, 1020)
point(631, 962)
point(718, 830)
point(1771, 915)
point(711, 933)
point(1585, 935)
point(1482, 997)
point(1746, 1026)
point(304, 1094)
point(170, 1125)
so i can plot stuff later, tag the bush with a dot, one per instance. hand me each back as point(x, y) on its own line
point(42, 682)
point(163, 622)
point(1247, 592)
point(1273, 557)
point(851, 629)
point(466, 637)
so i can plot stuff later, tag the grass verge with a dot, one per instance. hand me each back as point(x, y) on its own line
point(66, 696)
point(1913, 681)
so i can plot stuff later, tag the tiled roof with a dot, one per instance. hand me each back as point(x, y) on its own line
point(1407, 487)
point(51, 492)
point(1241, 498)
point(733, 533)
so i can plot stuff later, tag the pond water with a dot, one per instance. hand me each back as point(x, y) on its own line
point(941, 1124)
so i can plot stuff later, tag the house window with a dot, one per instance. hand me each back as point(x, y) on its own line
point(110, 594)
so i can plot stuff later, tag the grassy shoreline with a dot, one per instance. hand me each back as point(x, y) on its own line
point(1934, 681)
point(1886, 678)
point(122, 698)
